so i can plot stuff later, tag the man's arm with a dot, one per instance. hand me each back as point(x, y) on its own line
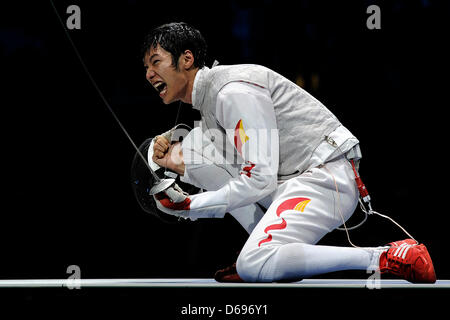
point(246, 113)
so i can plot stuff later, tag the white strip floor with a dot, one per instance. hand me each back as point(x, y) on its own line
point(211, 283)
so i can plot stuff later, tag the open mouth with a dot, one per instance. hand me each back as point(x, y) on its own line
point(161, 87)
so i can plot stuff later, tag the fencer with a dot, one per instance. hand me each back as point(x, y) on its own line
point(283, 151)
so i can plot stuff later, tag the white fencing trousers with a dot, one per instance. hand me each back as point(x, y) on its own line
point(304, 209)
point(300, 212)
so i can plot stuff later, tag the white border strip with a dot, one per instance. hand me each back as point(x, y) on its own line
point(211, 283)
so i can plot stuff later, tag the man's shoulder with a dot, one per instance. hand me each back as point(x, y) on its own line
point(237, 69)
point(222, 75)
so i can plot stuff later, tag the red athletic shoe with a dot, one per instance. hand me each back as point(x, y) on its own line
point(409, 261)
point(401, 242)
point(229, 274)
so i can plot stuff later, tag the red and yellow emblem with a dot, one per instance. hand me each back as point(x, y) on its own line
point(297, 204)
point(240, 137)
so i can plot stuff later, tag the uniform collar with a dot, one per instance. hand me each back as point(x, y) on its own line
point(199, 88)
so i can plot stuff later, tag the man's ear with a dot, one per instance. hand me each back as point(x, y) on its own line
point(188, 59)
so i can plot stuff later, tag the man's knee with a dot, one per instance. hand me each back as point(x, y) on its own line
point(252, 264)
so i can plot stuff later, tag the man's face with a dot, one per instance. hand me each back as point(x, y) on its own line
point(162, 75)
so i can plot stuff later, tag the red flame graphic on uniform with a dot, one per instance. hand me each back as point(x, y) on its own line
point(240, 137)
point(298, 204)
point(247, 169)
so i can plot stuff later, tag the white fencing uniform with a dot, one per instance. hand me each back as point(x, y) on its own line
point(202, 172)
point(286, 151)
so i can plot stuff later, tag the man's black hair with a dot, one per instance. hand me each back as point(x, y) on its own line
point(176, 37)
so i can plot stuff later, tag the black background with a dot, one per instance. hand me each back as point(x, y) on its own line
point(66, 195)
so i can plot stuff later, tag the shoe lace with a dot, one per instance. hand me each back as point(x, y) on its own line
point(396, 263)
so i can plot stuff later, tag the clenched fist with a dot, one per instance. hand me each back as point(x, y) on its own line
point(168, 155)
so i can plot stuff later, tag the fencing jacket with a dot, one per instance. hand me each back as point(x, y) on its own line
point(267, 126)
